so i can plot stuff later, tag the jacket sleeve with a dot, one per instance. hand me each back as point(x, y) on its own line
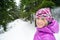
point(48, 37)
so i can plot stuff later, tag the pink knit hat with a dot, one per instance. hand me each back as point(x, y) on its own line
point(44, 12)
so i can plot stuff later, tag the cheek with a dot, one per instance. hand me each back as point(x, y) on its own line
point(46, 22)
point(40, 23)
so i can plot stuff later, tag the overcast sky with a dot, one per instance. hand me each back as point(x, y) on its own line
point(17, 2)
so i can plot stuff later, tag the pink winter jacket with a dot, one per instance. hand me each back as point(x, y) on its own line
point(46, 33)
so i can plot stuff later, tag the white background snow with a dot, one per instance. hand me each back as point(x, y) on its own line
point(21, 30)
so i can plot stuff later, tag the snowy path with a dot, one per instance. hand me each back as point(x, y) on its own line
point(21, 31)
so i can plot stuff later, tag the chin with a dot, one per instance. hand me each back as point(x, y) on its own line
point(40, 26)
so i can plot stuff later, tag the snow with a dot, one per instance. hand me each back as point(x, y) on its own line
point(21, 30)
point(17, 2)
point(57, 36)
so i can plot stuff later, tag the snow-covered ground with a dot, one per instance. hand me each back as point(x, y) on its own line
point(21, 30)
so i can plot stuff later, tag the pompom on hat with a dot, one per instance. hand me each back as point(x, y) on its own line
point(44, 12)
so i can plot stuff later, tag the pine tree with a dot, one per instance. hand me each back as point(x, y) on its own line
point(8, 12)
point(29, 7)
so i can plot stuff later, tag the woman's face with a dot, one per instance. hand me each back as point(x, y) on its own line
point(41, 22)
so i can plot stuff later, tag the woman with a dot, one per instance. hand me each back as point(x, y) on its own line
point(46, 25)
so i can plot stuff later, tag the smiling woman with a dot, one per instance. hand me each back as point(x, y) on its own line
point(45, 32)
